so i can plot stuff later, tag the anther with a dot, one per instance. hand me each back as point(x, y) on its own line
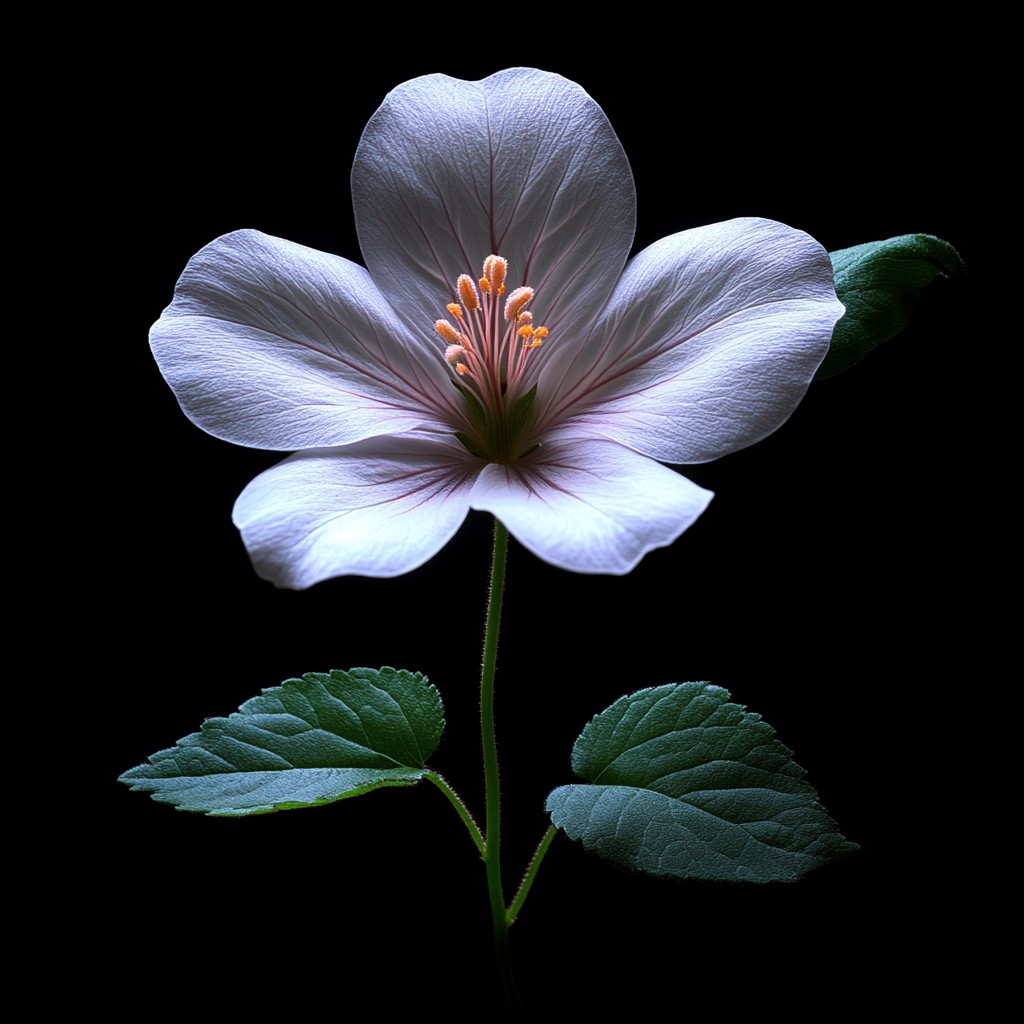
point(455, 309)
point(468, 292)
point(495, 268)
point(455, 355)
point(515, 302)
point(448, 332)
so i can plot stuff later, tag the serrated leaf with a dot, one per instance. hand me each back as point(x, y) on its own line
point(685, 784)
point(879, 283)
point(314, 740)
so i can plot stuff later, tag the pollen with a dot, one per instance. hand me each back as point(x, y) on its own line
point(534, 338)
point(455, 355)
point(448, 332)
point(455, 309)
point(495, 269)
point(515, 302)
point(468, 293)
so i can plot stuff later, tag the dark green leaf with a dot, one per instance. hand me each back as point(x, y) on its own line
point(324, 737)
point(684, 784)
point(879, 283)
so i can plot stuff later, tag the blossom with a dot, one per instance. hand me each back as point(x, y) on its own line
point(498, 352)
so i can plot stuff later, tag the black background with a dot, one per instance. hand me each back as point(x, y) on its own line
point(820, 587)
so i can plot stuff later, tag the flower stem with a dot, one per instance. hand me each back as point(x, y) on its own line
point(456, 801)
point(492, 847)
point(531, 874)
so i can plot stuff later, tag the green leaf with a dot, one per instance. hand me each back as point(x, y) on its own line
point(879, 283)
point(684, 784)
point(314, 740)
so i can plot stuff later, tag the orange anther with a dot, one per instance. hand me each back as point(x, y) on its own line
point(515, 302)
point(495, 268)
point(455, 354)
point(468, 292)
point(448, 332)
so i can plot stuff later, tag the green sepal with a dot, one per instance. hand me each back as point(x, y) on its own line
point(684, 784)
point(474, 410)
point(521, 411)
point(879, 283)
point(469, 444)
point(314, 740)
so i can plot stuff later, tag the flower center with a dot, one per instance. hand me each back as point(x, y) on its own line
point(488, 349)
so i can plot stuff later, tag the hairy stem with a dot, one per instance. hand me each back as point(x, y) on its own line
point(492, 847)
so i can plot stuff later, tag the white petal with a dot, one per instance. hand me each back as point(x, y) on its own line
point(376, 508)
point(590, 506)
point(273, 345)
point(710, 341)
point(523, 164)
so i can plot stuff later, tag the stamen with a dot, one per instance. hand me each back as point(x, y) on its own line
point(456, 356)
point(448, 332)
point(535, 337)
point(515, 302)
point(491, 357)
point(468, 292)
point(495, 268)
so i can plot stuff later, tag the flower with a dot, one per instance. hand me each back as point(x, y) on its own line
point(499, 353)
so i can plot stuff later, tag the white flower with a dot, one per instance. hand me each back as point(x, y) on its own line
point(407, 406)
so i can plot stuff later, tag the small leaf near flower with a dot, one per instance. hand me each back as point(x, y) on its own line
point(684, 784)
point(314, 740)
point(879, 283)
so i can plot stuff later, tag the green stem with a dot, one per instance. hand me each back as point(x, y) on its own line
point(531, 874)
point(456, 800)
point(492, 854)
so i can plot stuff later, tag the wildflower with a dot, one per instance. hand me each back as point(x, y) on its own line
point(499, 353)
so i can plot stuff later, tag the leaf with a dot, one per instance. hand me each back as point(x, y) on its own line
point(314, 740)
point(879, 283)
point(684, 784)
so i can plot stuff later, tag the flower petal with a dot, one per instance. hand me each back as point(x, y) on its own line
point(523, 164)
point(380, 507)
point(590, 506)
point(708, 344)
point(273, 345)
